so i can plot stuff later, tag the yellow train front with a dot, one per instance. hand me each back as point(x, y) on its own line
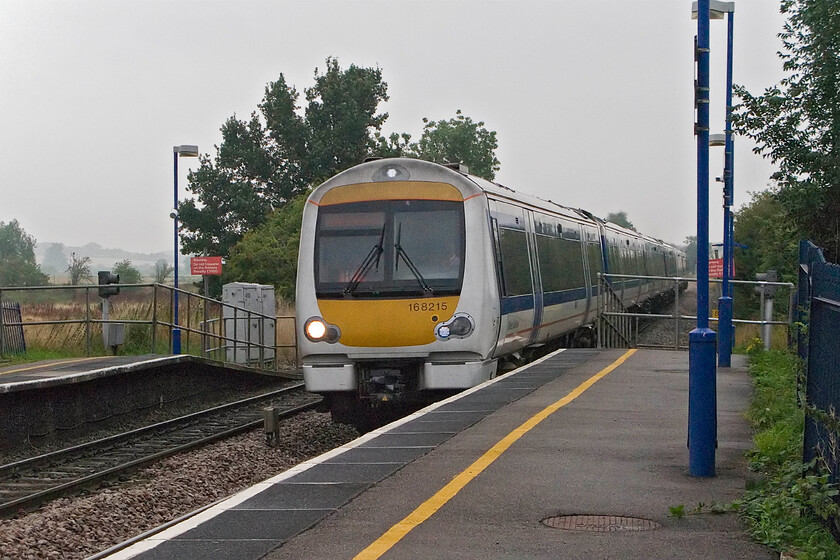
point(396, 286)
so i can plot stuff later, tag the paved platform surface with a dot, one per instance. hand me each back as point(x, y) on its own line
point(475, 477)
point(71, 370)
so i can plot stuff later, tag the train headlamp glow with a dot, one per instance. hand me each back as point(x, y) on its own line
point(461, 325)
point(318, 330)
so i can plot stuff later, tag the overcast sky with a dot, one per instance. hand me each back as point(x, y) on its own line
point(592, 100)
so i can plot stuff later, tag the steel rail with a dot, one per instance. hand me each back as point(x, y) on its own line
point(113, 444)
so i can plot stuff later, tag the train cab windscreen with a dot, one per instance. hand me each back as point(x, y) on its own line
point(401, 248)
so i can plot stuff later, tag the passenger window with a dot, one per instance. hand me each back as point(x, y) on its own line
point(516, 267)
point(561, 263)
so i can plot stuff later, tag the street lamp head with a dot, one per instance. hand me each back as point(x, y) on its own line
point(716, 9)
point(186, 150)
point(717, 140)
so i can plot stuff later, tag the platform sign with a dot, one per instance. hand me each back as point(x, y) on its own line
point(716, 268)
point(206, 266)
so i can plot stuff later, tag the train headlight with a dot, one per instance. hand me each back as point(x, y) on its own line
point(318, 330)
point(461, 325)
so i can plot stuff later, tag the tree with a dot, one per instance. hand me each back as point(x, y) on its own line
point(268, 254)
point(162, 271)
point(128, 274)
point(797, 123)
point(690, 250)
point(771, 242)
point(278, 154)
point(17, 257)
point(770, 238)
point(620, 218)
point(79, 269)
point(55, 260)
point(458, 140)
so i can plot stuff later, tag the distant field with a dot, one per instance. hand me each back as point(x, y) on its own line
point(72, 336)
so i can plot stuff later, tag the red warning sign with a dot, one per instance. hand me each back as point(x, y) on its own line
point(206, 266)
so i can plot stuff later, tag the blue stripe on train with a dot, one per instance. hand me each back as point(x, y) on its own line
point(517, 303)
point(525, 303)
point(565, 296)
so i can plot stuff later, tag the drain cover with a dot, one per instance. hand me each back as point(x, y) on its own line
point(600, 523)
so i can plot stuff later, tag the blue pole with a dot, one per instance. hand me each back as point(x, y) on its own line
point(702, 398)
point(176, 331)
point(725, 302)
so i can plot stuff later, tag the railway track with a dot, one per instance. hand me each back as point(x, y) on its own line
point(29, 483)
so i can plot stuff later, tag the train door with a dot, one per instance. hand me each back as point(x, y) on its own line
point(536, 279)
point(593, 264)
point(514, 267)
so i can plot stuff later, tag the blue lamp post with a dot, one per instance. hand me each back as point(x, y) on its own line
point(702, 386)
point(178, 151)
point(717, 10)
point(725, 301)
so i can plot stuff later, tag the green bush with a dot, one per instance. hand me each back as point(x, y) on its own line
point(793, 505)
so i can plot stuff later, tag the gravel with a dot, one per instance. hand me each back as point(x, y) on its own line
point(660, 332)
point(80, 526)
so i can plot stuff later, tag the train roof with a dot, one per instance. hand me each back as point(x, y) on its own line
point(395, 169)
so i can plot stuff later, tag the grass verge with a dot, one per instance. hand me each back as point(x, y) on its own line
point(790, 505)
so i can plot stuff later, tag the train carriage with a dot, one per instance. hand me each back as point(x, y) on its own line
point(415, 277)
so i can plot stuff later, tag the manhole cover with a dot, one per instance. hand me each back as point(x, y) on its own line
point(600, 523)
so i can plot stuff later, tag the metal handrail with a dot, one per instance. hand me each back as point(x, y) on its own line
point(679, 317)
point(235, 342)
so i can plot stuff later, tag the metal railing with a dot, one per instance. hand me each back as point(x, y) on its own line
point(819, 322)
point(618, 327)
point(219, 331)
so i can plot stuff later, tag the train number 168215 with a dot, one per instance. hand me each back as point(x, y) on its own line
point(428, 306)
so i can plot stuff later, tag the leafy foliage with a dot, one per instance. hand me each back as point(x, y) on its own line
point(268, 254)
point(621, 219)
point(17, 257)
point(79, 269)
point(771, 239)
point(459, 140)
point(55, 260)
point(244, 198)
point(690, 248)
point(793, 502)
point(128, 274)
point(278, 154)
point(162, 271)
point(797, 122)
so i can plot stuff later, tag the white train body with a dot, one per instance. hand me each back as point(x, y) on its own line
point(414, 277)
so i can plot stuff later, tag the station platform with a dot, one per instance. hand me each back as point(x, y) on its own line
point(53, 373)
point(579, 455)
point(50, 373)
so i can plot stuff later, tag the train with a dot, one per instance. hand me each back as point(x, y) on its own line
point(417, 279)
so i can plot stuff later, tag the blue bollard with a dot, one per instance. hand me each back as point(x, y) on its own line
point(702, 402)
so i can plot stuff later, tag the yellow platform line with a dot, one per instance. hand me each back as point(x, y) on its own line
point(433, 504)
point(61, 363)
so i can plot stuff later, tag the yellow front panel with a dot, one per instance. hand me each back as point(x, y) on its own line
point(397, 190)
point(382, 323)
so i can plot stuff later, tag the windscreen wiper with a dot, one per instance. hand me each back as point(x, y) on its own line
point(371, 259)
point(401, 253)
